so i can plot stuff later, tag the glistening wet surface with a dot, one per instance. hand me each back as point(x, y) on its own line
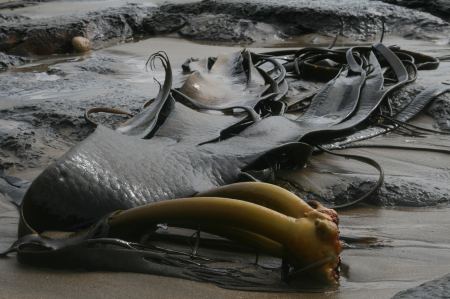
point(410, 245)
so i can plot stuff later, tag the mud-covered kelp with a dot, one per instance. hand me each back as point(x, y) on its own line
point(178, 146)
point(110, 170)
point(232, 84)
point(169, 165)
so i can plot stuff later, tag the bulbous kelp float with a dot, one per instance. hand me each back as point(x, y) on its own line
point(229, 121)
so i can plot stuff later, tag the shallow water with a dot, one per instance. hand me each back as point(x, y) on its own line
point(412, 243)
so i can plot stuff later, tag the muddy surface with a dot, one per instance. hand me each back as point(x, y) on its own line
point(42, 116)
point(42, 102)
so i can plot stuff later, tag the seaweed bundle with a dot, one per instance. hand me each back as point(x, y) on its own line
point(231, 120)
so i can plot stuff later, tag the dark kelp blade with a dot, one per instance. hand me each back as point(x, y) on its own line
point(373, 92)
point(189, 125)
point(402, 78)
point(110, 171)
point(143, 124)
point(230, 81)
point(334, 103)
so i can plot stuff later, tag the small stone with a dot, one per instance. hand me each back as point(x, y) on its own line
point(81, 44)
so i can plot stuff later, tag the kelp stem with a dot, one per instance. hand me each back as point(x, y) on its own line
point(305, 240)
point(263, 194)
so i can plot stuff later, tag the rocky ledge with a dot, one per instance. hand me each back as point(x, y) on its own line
point(439, 288)
point(217, 20)
point(440, 8)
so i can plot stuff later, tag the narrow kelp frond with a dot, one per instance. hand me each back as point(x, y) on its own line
point(161, 56)
point(413, 127)
point(88, 113)
point(146, 122)
point(367, 194)
point(412, 108)
point(142, 123)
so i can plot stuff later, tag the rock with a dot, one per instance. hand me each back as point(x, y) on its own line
point(41, 112)
point(161, 22)
point(359, 20)
point(440, 8)
point(440, 111)
point(219, 20)
point(19, 3)
point(439, 288)
point(7, 61)
point(54, 35)
point(12, 18)
point(81, 44)
point(228, 28)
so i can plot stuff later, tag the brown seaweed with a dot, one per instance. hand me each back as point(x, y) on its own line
point(180, 145)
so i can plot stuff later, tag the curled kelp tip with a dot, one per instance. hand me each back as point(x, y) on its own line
point(161, 56)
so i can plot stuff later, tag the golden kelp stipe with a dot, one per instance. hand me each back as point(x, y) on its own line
point(306, 240)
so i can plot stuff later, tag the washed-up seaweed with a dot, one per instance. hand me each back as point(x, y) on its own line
point(229, 121)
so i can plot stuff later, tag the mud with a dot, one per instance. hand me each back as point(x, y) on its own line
point(49, 118)
point(412, 178)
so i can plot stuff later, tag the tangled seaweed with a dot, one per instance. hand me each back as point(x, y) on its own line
point(231, 120)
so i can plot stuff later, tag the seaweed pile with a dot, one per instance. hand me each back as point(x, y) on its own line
point(105, 204)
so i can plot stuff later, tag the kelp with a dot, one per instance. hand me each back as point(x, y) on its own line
point(227, 122)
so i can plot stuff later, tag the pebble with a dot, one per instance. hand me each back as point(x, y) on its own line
point(81, 44)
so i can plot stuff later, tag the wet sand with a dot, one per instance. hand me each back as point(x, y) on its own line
point(414, 248)
point(413, 244)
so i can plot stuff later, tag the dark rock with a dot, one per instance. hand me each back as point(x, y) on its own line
point(219, 20)
point(15, 136)
point(45, 116)
point(12, 18)
point(222, 27)
point(440, 8)
point(7, 61)
point(161, 22)
point(439, 288)
point(359, 20)
point(20, 3)
point(54, 35)
point(440, 111)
